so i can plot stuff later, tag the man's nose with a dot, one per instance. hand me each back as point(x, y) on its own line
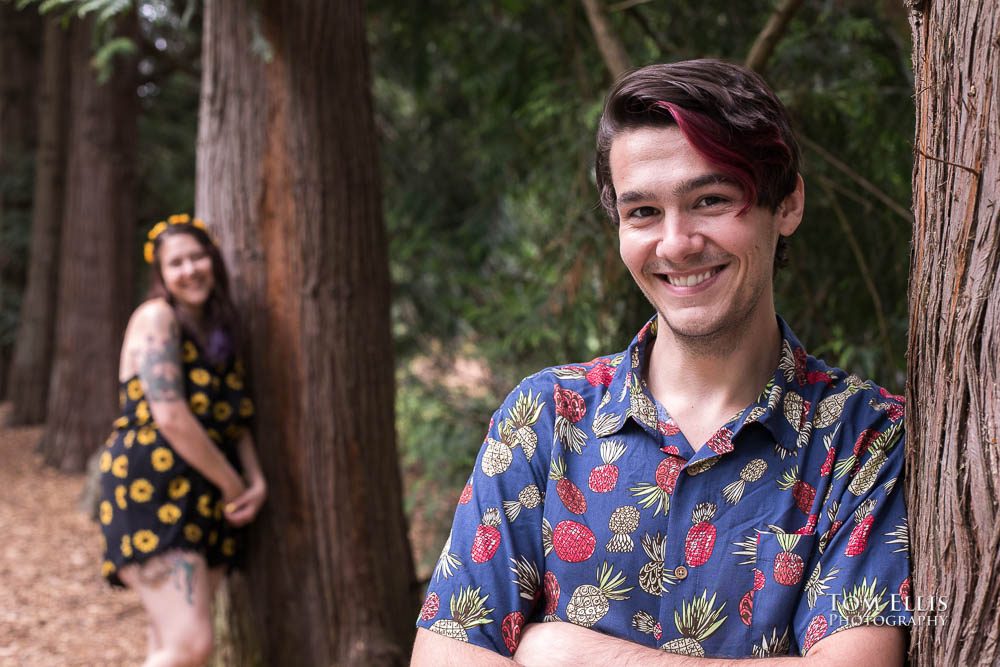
point(679, 238)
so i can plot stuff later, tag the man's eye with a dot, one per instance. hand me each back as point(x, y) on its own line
point(642, 212)
point(711, 200)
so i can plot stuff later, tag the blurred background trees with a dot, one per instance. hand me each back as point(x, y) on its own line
point(501, 260)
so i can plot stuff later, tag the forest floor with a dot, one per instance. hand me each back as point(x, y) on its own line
point(55, 608)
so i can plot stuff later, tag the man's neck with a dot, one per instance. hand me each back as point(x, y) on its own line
point(701, 386)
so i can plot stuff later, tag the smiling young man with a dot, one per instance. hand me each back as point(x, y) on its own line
point(713, 492)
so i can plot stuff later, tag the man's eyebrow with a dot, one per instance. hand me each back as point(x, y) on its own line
point(686, 187)
point(633, 196)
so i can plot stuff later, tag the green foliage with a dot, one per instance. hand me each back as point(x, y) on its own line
point(114, 47)
point(107, 45)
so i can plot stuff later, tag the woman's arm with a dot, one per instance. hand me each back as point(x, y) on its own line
point(153, 341)
point(243, 509)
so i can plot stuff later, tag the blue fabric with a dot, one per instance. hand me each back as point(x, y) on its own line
point(788, 525)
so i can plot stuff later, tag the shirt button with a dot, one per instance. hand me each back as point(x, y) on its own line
point(681, 572)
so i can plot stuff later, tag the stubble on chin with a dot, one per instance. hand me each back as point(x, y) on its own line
point(719, 341)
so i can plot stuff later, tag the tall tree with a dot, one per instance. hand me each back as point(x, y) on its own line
point(95, 258)
point(32, 361)
point(288, 175)
point(20, 42)
point(953, 397)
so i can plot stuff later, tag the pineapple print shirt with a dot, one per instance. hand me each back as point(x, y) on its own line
point(588, 505)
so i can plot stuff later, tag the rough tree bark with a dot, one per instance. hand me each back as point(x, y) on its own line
point(32, 361)
point(20, 41)
point(953, 396)
point(288, 175)
point(95, 260)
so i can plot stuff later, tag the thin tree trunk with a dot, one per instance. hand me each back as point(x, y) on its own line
point(288, 175)
point(953, 397)
point(772, 33)
point(612, 50)
point(95, 259)
point(20, 43)
point(32, 362)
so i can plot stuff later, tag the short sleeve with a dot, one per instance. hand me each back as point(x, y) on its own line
point(862, 575)
point(487, 583)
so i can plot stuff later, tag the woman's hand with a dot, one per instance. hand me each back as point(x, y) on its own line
point(242, 509)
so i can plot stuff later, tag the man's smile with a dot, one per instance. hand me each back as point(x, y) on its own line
point(690, 279)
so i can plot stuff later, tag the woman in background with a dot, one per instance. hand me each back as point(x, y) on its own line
point(179, 472)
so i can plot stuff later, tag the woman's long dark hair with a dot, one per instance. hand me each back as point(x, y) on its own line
point(219, 336)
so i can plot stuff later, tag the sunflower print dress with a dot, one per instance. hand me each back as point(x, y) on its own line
point(152, 500)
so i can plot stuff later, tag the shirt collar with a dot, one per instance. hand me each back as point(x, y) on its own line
point(781, 407)
point(779, 404)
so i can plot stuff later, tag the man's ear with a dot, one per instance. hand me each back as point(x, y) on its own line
point(789, 213)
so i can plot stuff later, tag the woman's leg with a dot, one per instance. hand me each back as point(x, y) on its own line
point(176, 591)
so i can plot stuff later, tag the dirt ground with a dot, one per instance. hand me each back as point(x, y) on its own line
point(55, 609)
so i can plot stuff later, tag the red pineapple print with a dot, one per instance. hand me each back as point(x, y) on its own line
point(888, 394)
point(466, 494)
point(668, 428)
point(604, 477)
point(815, 632)
point(810, 526)
point(568, 492)
point(904, 592)
point(894, 411)
point(510, 630)
point(667, 473)
point(569, 404)
point(863, 519)
point(815, 377)
point(827, 466)
point(746, 602)
point(853, 462)
point(800, 366)
point(788, 566)
point(573, 542)
point(601, 373)
point(487, 539)
point(551, 595)
point(802, 492)
point(721, 441)
point(430, 607)
point(700, 539)
point(570, 408)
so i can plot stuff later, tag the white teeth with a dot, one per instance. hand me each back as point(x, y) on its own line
point(692, 280)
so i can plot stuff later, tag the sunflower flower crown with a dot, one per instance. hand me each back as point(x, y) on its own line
point(148, 250)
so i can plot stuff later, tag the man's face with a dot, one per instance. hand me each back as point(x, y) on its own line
point(706, 269)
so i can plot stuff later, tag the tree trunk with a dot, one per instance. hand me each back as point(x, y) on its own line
point(20, 43)
point(32, 362)
point(95, 262)
point(763, 46)
point(953, 396)
point(612, 50)
point(288, 175)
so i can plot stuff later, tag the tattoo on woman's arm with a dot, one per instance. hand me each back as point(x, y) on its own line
point(160, 368)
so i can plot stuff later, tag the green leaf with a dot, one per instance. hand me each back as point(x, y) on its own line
point(49, 5)
point(102, 59)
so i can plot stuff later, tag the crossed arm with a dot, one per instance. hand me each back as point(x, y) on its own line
point(568, 645)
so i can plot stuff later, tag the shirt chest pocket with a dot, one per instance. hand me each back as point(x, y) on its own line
point(778, 589)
